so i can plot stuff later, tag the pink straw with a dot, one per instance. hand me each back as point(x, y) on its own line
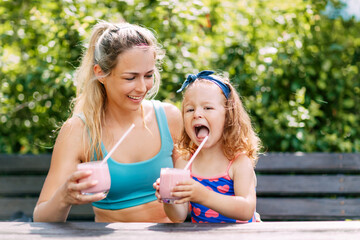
point(196, 153)
point(118, 143)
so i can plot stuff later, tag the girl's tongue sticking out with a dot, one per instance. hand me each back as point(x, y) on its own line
point(201, 131)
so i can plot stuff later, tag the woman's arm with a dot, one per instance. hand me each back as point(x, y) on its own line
point(241, 206)
point(61, 189)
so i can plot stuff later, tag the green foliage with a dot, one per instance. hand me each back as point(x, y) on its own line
point(296, 69)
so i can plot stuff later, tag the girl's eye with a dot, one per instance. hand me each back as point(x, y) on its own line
point(189, 110)
point(208, 108)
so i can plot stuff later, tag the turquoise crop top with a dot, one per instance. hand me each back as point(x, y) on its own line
point(132, 183)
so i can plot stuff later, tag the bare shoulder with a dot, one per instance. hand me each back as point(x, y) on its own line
point(71, 128)
point(70, 139)
point(243, 174)
point(242, 165)
point(172, 112)
point(174, 119)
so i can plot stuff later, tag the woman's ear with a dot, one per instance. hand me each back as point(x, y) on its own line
point(98, 73)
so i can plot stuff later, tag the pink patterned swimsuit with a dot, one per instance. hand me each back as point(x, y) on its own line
point(222, 184)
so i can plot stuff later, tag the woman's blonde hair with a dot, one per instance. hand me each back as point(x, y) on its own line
point(106, 43)
point(238, 134)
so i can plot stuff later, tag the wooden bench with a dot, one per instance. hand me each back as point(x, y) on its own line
point(21, 180)
point(308, 186)
point(291, 186)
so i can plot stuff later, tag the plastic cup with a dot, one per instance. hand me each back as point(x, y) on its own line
point(169, 177)
point(100, 172)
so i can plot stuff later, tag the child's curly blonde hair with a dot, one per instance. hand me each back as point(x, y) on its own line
point(238, 134)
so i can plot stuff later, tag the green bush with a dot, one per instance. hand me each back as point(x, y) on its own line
point(296, 68)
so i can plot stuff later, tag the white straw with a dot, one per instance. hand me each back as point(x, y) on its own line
point(118, 143)
point(196, 153)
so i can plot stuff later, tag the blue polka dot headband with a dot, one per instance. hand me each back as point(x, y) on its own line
point(206, 75)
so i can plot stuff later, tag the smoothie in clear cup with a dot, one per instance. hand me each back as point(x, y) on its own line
point(100, 172)
point(169, 177)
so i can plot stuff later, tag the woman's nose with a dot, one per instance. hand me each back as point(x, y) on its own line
point(141, 85)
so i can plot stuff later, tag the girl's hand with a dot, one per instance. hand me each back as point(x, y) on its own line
point(156, 186)
point(72, 189)
point(190, 190)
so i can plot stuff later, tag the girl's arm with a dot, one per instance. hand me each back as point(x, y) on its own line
point(241, 206)
point(61, 189)
point(176, 212)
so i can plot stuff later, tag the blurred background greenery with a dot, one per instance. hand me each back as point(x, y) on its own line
point(295, 63)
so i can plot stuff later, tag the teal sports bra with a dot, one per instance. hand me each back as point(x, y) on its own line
point(132, 183)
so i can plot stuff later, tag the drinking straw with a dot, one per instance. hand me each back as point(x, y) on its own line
point(118, 143)
point(196, 153)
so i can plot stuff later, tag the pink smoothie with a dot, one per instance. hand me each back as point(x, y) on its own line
point(169, 177)
point(100, 172)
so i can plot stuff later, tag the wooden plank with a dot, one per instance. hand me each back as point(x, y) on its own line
point(314, 185)
point(9, 206)
point(23, 164)
point(153, 231)
point(314, 209)
point(21, 185)
point(31, 170)
point(81, 212)
point(271, 162)
point(309, 163)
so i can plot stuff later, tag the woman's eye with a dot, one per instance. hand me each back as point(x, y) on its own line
point(132, 78)
point(149, 76)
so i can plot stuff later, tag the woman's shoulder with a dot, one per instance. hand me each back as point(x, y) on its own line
point(70, 140)
point(75, 121)
point(72, 128)
point(171, 110)
point(172, 113)
point(174, 119)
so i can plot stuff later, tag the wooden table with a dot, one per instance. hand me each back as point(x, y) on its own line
point(339, 230)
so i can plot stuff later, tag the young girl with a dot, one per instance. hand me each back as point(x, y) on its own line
point(117, 74)
point(223, 182)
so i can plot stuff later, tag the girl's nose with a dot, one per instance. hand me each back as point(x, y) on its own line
point(198, 113)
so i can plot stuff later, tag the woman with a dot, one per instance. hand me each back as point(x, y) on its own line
point(118, 72)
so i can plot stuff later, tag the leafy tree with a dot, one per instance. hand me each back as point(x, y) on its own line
point(296, 67)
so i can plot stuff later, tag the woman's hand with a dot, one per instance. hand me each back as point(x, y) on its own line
point(156, 186)
point(73, 188)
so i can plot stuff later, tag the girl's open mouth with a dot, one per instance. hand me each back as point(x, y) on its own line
point(201, 131)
